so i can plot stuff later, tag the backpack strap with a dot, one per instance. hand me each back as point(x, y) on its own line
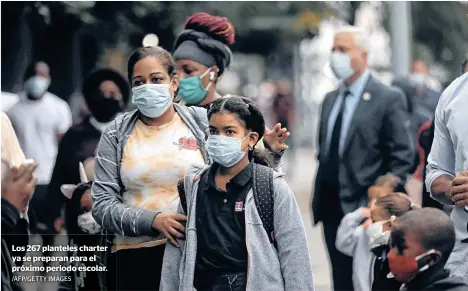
point(262, 184)
point(183, 197)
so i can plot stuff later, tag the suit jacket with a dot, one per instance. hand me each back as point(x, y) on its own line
point(378, 142)
point(429, 99)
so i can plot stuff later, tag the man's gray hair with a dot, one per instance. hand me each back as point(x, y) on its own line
point(360, 36)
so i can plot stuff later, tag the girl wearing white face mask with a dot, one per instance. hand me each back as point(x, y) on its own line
point(227, 247)
point(364, 235)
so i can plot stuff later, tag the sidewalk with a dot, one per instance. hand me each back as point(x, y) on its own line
point(300, 174)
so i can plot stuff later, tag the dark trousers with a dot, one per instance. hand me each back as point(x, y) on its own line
point(135, 269)
point(225, 282)
point(342, 265)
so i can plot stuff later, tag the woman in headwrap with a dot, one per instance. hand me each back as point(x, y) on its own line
point(202, 54)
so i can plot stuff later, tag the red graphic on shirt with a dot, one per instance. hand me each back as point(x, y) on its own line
point(239, 206)
point(188, 143)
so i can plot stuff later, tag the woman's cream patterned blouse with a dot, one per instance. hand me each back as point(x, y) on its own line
point(154, 159)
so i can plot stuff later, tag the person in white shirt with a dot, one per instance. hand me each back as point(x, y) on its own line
point(40, 118)
point(447, 170)
point(8, 100)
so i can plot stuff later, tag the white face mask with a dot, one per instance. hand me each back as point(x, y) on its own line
point(152, 99)
point(418, 79)
point(87, 223)
point(376, 235)
point(340, 64)
point(36, 86)
point(225, 150)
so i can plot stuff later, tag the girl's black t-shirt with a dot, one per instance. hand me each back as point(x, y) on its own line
point(220, 223)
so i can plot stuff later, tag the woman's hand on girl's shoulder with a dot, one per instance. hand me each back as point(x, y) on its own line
point(168, 223)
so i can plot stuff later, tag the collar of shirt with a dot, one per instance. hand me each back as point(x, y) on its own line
point(357, 87)
point(241, 179)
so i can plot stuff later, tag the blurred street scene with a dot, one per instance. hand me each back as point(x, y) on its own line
point(66, 53)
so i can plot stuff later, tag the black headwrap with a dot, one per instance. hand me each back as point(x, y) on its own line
point(199, 47)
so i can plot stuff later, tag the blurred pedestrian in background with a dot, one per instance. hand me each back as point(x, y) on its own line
point(8, 100)
point(40, 119)
point(418, 113)
point(283, 104)
point(447, 169)
point(106, 93)
point(419, 76)
point(364, 133)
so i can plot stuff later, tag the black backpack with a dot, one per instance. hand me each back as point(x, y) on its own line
point(262, 184)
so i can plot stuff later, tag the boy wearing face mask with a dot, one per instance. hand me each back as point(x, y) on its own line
point(353, 239)
point(422, 241)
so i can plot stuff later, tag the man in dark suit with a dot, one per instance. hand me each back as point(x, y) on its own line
point(364, 133)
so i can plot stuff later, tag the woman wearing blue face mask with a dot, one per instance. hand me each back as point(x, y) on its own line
point(226, 245)
point(141, 156)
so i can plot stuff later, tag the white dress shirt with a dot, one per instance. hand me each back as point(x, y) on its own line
point(449, 155)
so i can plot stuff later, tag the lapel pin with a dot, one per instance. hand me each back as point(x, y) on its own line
point(366, 96)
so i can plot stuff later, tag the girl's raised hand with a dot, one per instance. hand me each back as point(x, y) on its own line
point(275, 138)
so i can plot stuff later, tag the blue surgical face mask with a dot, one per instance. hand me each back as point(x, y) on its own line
point(191, 90)
point(36, 86)
point(340, 64)
point(152, 99)
point(225, 150)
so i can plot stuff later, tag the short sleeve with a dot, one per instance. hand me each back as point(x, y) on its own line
point(64, 118)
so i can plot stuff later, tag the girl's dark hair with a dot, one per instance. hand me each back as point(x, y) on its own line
point(163, 56)
point(248, 112)
point(396, 204)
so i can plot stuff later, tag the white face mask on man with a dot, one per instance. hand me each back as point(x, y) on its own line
point(340, 64)
point(36, 86)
